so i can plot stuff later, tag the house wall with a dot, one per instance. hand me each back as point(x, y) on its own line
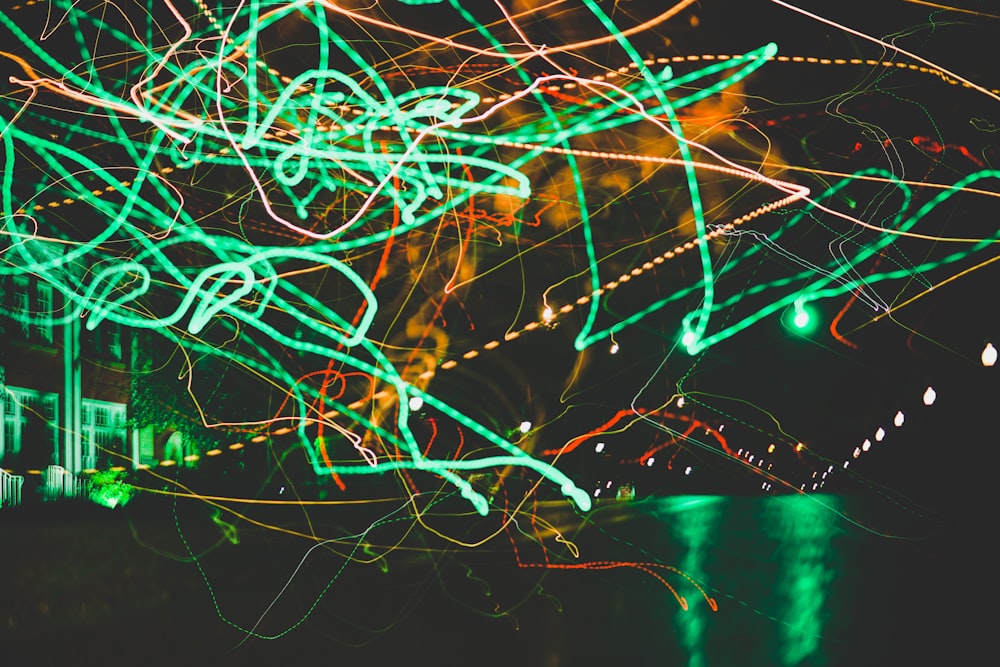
point(65, 390)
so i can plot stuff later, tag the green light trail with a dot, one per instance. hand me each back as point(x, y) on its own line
point(96, 205)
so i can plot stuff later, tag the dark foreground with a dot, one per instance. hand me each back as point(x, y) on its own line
point(795, 579)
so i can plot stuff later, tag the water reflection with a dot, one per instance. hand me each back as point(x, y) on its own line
point(786, 551)
point(695, 525)
point(803, 528)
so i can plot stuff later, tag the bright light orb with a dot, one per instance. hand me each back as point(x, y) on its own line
point(801, 319)
point(930, 396)
point(989, 355)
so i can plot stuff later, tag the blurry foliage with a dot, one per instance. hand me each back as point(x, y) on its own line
point(170, 393)
point(109, 489)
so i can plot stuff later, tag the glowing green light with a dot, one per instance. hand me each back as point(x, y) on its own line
point(229, 531)
point(108, 490)
point(340, 130)
point(802, 319)
point(690, 341)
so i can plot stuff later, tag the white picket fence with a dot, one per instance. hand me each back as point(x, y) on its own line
point(10, 489)
point(58, 482)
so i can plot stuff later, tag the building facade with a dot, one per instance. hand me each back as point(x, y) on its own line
point(63, 390)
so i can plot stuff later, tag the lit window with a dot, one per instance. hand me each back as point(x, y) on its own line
point(115, 341)
point(41, 328)
point(20, 306)
point(102, 427)
point(19, 405)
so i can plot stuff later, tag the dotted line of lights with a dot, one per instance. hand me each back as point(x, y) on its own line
point(165, 463)
point(29, 3)
point(988, 358)
point(626, 489)
point(549, 315)
point(989, 354)
point(627, 69)
point(551, 88)
point(929, 396)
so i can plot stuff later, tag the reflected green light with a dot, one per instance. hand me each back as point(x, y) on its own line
point(804, 527)
point(695, 523)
